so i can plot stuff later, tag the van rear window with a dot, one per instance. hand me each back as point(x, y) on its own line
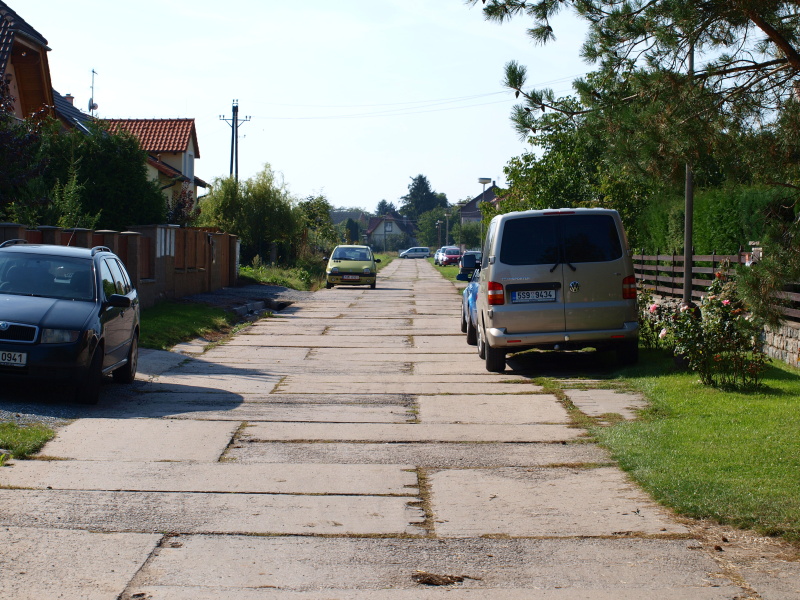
point(555, 239)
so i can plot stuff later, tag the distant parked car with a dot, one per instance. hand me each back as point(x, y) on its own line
point(351, 265)
point(68, 315)
point(438, 255)
point(468, 266)
point(417, 252)
point(451, 256)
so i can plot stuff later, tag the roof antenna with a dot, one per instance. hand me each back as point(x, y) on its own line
point(92, 104)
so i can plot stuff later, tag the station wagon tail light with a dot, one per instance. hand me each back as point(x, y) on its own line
point(629, 288)
point(495, 293)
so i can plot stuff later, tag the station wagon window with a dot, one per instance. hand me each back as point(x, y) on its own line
point(551, 240)
point(109, 287)
point(120, 281)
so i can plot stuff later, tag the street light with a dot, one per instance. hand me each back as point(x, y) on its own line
point(447, 227)
point(484, 181)
point(439, 232)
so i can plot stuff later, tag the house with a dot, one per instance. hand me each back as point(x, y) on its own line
point(24, 69)
point(171, 146)
point(390, 232)
point(471, 211)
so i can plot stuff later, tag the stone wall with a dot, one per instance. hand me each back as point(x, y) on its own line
point(783, 343)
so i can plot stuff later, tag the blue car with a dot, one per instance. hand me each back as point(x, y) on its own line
point(470, 272)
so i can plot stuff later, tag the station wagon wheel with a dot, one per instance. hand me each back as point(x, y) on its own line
point(127, 372)
point(88, 391)
point(463, 319)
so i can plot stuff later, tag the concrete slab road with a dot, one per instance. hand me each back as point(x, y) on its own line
point(353, 447)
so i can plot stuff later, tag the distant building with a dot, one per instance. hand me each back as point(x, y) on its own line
point(171, 146)
point(471, 211)
point(390, 232)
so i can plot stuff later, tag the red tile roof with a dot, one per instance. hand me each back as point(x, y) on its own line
point(159, 135)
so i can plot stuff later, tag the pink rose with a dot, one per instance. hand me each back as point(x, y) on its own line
point(726, 302)
point(663, 333)
point(653, 308)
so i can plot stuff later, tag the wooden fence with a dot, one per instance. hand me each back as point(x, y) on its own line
point(164, 261)
point(664, 275)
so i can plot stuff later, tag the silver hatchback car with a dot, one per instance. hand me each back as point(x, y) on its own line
point(557, 280)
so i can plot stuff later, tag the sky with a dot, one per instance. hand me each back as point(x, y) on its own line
point(349, 99)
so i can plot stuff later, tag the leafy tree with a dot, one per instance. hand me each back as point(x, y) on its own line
point(467, 234)
point(259, 210)
point(20, 159)
point(317, 227)
point(431, 227)
point(112, 171)
point(421, 198)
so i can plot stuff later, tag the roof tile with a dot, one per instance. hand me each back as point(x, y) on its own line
point(159, 135)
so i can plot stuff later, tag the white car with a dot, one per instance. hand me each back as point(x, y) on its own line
point(418, 252)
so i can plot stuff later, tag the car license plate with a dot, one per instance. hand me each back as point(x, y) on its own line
point(533, 296)
point(13, 359)
point(350, 277)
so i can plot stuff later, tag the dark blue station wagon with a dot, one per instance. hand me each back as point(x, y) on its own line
point(68, 315)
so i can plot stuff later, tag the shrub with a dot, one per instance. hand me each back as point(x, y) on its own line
point(719, 339)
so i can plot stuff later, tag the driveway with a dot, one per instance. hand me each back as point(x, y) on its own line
point(352, 447)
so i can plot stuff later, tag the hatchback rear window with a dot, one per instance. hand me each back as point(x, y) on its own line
point(555, 239)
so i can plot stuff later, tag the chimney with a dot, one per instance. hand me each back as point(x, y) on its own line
point(70, 98)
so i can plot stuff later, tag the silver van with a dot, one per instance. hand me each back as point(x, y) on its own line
point(418, 252)
point(558, 279)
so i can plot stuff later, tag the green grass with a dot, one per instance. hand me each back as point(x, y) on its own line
point(712, 454)
point(23, 440)
point(449, 272)
point(170, 323)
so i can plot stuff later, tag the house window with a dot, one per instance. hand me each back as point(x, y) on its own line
point(387, 227)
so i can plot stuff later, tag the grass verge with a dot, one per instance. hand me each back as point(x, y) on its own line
point(170, 323)
point(23, 440)
point(713, 454)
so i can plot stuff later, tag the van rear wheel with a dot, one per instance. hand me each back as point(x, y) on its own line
point(495, 359)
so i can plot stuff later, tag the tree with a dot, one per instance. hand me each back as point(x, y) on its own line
point(20, 159)
point(112, 170)
point(421, 198)
point(385, 208)
point(259, 210)
point(431, 227)
point(315, 221)
point(649, 96)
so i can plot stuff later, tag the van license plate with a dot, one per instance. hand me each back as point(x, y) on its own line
point(533, 296)
point(13, 359)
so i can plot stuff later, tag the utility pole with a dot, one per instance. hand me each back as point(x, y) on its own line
point(234, 123)
point(688, 222)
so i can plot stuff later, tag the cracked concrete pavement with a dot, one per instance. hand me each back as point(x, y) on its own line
point(334, 451)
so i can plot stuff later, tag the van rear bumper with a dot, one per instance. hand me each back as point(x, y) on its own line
point(498, 338)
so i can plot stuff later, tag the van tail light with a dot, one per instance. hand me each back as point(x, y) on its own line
point(495, 293)
point(629, 288)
